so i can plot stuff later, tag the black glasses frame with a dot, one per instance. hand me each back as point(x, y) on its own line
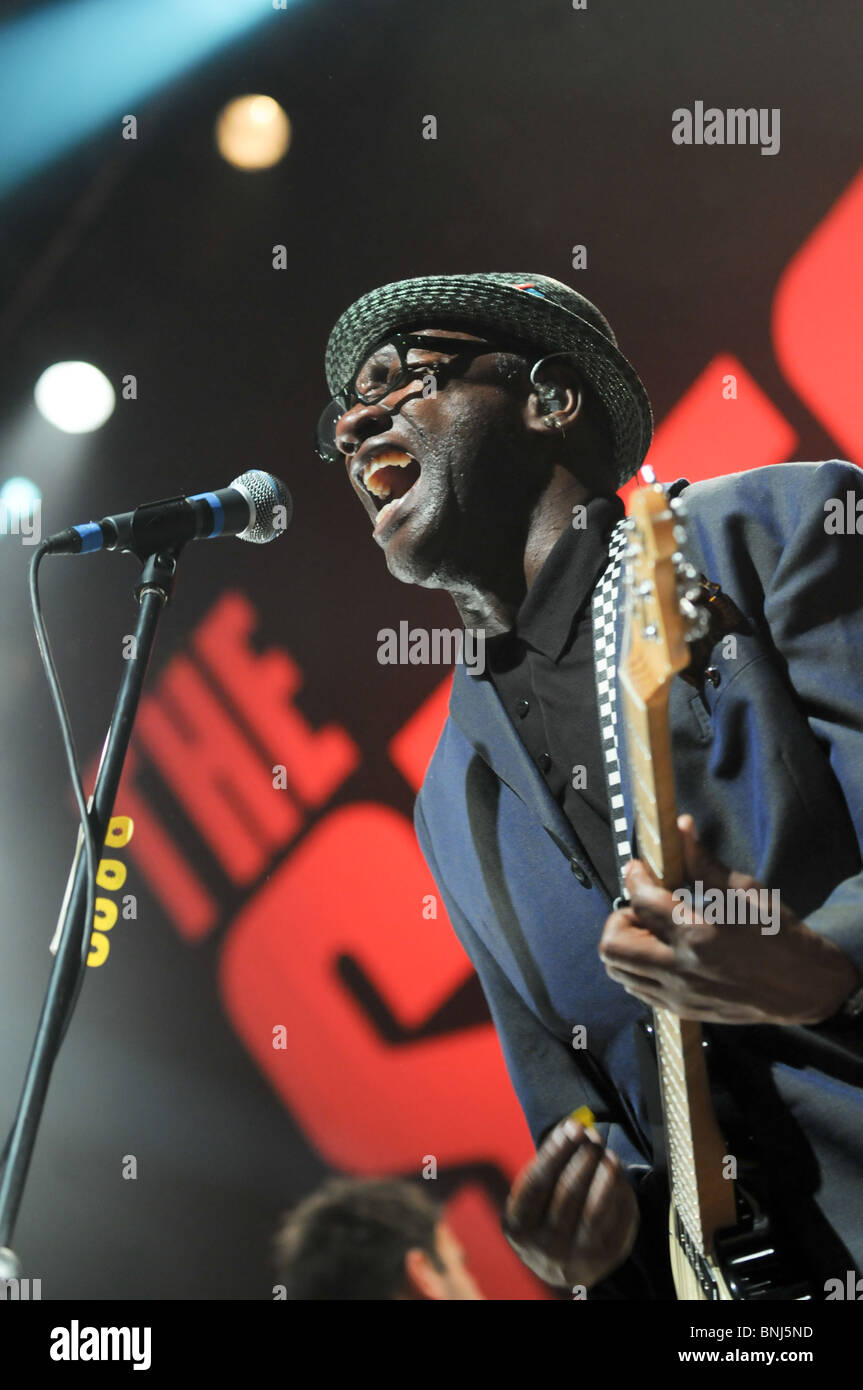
point(348, 397)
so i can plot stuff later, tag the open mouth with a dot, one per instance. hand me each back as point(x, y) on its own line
point(388, 477)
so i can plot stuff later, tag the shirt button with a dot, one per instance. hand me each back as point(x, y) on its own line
point(544, 761)
point(579, 873)
point(522, 708)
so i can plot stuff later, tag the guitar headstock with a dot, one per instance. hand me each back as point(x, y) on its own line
point(661, 593)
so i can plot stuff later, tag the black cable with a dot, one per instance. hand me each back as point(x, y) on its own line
point(91, 850)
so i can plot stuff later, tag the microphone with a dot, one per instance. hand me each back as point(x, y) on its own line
point(256, 507)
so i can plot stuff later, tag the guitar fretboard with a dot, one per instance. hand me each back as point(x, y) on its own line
point(678, 1123)
point(704, 1200)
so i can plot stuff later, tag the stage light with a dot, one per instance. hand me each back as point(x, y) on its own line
point(72, 67)
point(253, 132)
point(74, 396)
point(19, 498)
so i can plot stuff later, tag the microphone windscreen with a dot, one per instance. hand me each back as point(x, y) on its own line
point(272, 504)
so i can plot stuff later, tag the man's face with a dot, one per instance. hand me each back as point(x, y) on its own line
point(439, 462)
point(457, 1284)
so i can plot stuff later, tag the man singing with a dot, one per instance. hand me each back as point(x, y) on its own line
point(486, 422)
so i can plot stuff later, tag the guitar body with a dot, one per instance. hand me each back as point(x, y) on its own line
point(748, 1265)
point(748, 1259)
point(697, 1278)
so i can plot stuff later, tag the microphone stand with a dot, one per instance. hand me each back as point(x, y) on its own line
point(153, 592)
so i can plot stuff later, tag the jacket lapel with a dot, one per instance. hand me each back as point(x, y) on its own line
point(477, 710)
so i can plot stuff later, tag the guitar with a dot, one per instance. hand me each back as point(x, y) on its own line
point(722, 1246)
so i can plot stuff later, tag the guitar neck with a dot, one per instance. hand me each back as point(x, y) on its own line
point(703, 1197)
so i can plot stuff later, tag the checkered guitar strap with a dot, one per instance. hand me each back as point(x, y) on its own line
point(604, 609)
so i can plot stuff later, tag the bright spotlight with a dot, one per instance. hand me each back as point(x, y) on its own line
point(74, 396)
point(68, 70)
point(19, 498)
point(253, 132)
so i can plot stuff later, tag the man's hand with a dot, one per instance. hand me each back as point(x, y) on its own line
point(731, 973)
point(572, 1216)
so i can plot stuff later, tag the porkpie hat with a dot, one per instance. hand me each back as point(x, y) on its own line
point(535, 311)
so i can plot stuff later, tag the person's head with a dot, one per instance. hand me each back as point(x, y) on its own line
point(479, 396)
point(371, 1239)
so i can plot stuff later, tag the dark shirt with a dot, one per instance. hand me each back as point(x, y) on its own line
point(542, 669)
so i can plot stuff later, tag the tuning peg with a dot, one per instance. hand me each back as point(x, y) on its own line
point(679, 534)
point(678, 506)
point(698, 621)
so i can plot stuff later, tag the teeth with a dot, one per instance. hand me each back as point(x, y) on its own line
point(393, 458)
point(390, 460)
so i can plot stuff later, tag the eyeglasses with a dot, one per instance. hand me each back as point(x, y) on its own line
point(400, 359)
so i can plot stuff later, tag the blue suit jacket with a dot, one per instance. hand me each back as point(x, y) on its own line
point(770, 764)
